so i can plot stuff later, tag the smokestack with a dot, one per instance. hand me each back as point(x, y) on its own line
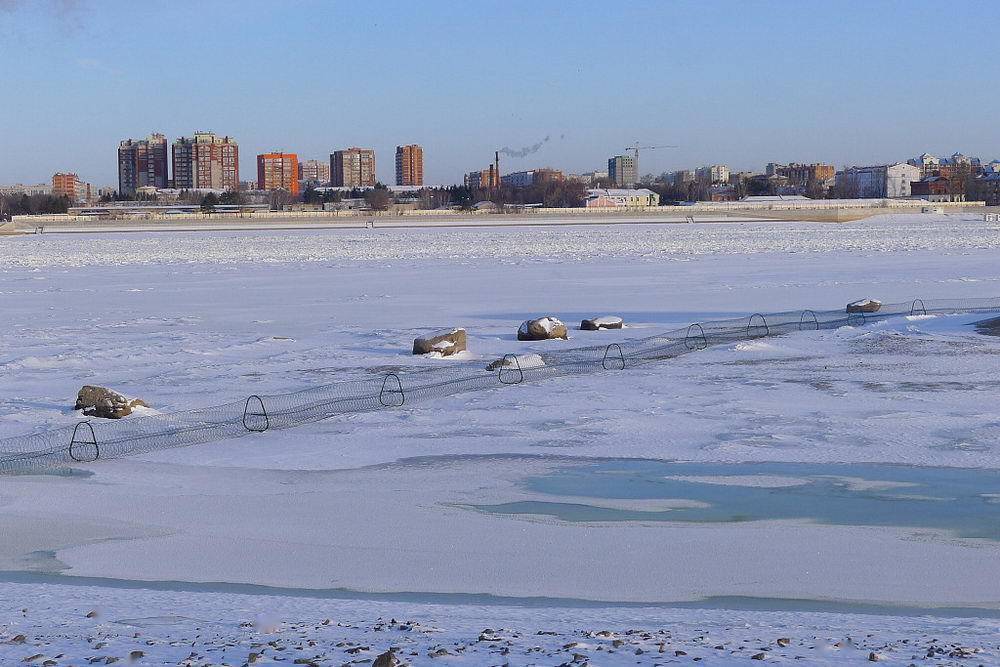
point(496, 167)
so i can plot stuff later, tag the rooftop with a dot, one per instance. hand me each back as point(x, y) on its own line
point(620, 192)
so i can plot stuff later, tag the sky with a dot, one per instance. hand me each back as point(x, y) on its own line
point(737, 83)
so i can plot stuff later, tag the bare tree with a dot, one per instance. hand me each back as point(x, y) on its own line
point(378, 198)
point(279, 199)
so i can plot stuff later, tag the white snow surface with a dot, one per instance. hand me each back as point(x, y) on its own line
point(379, 503)
point(185, 628)
point(441, 333)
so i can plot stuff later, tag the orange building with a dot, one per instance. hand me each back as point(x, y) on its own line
point(409, 165)
point(70, 186)
point(278, 171)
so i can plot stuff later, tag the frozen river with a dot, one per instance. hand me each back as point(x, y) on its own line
point(853, 467)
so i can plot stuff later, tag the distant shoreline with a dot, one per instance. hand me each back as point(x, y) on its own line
point(359, 222)
point(45, 224)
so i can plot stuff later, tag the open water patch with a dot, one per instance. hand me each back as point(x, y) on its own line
point(962, 501)
point(989, 327)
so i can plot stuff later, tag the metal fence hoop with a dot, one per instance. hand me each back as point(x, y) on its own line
point(692, 342)
point(261, 411)
point(751, 325)
point(620, 357)
point(913, 308)
point(92, 441)
point(386, 391)
point(516, 370)
point(852, 319)
point(806, 316)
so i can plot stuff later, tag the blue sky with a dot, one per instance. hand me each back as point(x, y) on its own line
point(741, 83)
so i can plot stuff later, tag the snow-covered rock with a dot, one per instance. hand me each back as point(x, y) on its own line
point(105, 403)
point(543, 328)
point(446, 342)
point(864, 306)
point(605, 322)
point(522, 361)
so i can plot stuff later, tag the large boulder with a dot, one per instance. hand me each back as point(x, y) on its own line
point(105, 403)
point(445, 343)
point(599, 323)
point(864, 306)
point(522, 361)
point(543, 328)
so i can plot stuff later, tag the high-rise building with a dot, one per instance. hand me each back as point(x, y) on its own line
point(206, 161)
point(623, 171)
point(142, 163)
point(409, 165)
point(315, 171)
point(352, 168)
point(69, 185)
point(278, 171)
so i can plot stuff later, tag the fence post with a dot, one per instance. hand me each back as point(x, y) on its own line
point(515, 370)
point(388, 391)
point(93, 442)
point(250, 424)
point(621, 357)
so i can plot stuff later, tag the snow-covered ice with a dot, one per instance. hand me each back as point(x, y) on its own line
point(381, 503)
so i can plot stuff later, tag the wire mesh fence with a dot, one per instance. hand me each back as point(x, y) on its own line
point(95, 440)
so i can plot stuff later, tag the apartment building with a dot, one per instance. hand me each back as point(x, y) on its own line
point(409, 165)
point(487, 179)
point(353, 168)
point(206, 161)
point(19, 189)
point(713, 174)
point(315, 171)
point(278, 171)
point(887, 180)
point(803, 174)
point(524, 179)
point(623, 171)
point(142, 163)
point(69, 185)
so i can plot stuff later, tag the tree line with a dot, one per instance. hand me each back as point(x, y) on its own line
point(25, 204)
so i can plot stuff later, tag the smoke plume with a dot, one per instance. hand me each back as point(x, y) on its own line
point(526, 151)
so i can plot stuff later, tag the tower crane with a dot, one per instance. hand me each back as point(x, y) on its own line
point(636, 148)
point(635, 154)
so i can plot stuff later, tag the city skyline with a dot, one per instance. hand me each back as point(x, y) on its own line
point(811, 97)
